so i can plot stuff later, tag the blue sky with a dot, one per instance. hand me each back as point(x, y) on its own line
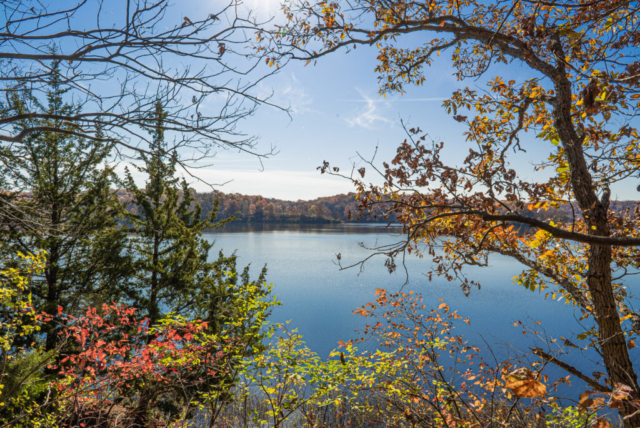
point(335, 113)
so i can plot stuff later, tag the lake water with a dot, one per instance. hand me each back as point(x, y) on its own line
point(319, 298)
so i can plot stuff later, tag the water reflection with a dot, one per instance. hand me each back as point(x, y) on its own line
point(331, 228)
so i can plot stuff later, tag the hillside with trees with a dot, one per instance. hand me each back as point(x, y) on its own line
point(344, 208)
point(258, 209)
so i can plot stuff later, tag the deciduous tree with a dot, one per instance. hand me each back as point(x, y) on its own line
point(575, 97)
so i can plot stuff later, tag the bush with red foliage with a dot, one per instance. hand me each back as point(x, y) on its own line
point(117, 371)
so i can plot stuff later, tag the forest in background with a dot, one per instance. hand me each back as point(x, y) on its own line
point(258, 209)
point(341, 208)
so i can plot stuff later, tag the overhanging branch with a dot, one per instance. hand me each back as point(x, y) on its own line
point(556, 231)
point(550, 358)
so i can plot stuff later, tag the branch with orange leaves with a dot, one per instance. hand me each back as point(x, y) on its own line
point(556, 232)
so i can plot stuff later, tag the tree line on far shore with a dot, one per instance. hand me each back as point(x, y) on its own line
point(337, 209)
point(258, 209)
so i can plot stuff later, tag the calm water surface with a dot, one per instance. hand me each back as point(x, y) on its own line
point(319, 298)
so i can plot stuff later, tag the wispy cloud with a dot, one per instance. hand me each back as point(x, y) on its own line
point(281, 184)
point(292, 95)
point(270, 183)
point(371, 115)
point(297, 96)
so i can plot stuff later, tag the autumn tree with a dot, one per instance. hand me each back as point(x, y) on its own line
point(575, 98)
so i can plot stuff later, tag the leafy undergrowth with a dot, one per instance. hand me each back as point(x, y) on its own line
point(111, 369)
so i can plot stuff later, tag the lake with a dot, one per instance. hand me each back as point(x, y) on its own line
point(319, 298)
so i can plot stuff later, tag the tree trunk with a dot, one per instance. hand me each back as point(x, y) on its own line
point(141, 412)
point(611, 337)
point(153, 310)
point(610, 334)
point(52, 298)
point(53, 287)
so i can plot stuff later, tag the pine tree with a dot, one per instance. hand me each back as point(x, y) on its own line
point(171, 271)
point(57, 196)
point(171, 268)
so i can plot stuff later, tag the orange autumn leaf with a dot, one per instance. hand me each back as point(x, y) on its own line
point(524, 384)
point(587, 402)
point(602, 423)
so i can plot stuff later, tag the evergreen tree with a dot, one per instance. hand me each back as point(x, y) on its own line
point(171, 268)
point(56, 195)
point(171, 271)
